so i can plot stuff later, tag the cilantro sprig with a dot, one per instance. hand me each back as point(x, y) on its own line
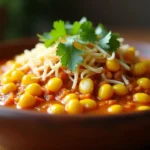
point(108, 40)
point(70, 55)
point(88, 32)
point(58, 31)
point(82, 32)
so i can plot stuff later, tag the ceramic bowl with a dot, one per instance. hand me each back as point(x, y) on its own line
point(27, 130)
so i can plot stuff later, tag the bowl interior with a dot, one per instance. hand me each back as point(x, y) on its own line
point(142, 47)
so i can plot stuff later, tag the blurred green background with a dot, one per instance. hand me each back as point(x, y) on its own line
point(26, 18)
point(12, 18)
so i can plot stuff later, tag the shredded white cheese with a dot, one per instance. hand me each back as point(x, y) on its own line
point(124, 65)
point(111, 81)
point(125, 80)
point(44, 62)
point(112, 56)
point(114, 81)
point(75, 80)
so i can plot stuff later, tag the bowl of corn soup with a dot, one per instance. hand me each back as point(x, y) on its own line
point(80, 87)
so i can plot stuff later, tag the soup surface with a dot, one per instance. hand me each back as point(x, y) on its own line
point(78, 69)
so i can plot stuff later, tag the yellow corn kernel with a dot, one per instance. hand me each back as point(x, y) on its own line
point(56, 109)
point(29, 78)
point(16, 65)
point(144, 83)
point(143, 108)
point(141, 98)
point(129, 55)
point(147, 63)
point(114, 109)
point(17, 75)
point(88, 104)
point(86, 86)
point(69, 97)
point(120, 89)
point(113, 65)
point(7, 73)
point(74, 107)
point(54, 84)
point(34, 89)
point(132, 48)
point(139, 69)
point(26, 101)
point(105, 92)
point(9, 87)
point(5, 80)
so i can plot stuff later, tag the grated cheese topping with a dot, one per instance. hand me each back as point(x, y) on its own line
point(44, 62)
point(112, 56)
point(111, 81)
point(125, 80)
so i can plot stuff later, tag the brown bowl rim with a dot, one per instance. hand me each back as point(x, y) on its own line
point(11, 113)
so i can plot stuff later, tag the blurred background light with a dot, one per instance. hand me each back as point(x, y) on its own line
point(26, 18)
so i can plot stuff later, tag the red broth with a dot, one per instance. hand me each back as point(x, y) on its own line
point(116, 104)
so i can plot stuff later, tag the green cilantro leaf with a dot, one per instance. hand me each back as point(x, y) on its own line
point(88, 32)
point(101, 30)
point(114, 43)
point(68, 27)
point(83, 32)
point(104, 42)
point(70, 56)
point(44, 37)
point(58, 31)
point(76, 28)
point(72, 29)
point(82, 20)
point(109, 42)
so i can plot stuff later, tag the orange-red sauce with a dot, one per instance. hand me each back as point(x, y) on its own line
point(47, 99)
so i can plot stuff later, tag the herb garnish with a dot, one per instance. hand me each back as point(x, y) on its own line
point(82, 32)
